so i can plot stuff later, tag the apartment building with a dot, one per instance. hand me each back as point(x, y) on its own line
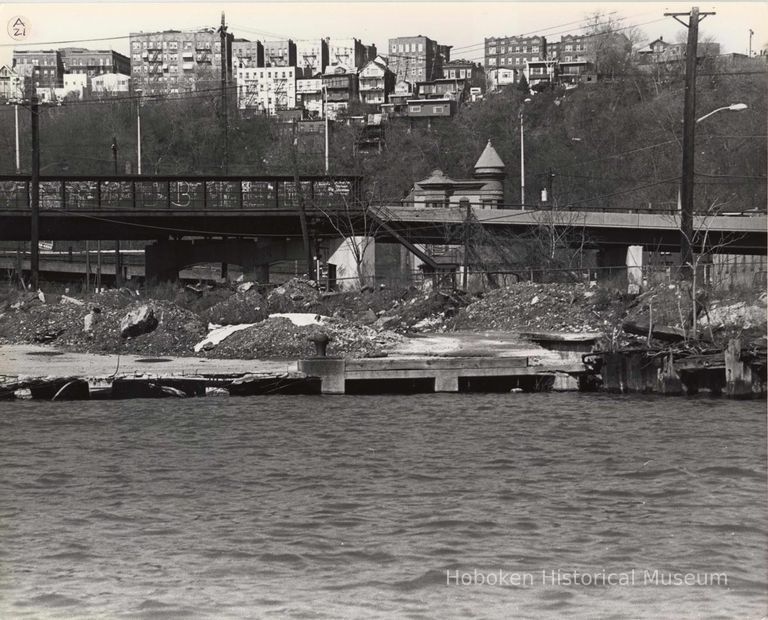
point(465, 70)
point(349, 52)
point(571, 48)
point(44, 68)
point(247, 53)
point(341, 89)
point(176, 61)
point(311, 57)
point(513, 52)
point(279, 53)
point(417, 59)
point(267, 90)
point(80, 60)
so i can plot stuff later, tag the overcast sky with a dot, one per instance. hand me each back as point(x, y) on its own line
point(460, 24)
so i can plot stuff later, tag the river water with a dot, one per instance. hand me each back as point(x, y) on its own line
point(427, 506)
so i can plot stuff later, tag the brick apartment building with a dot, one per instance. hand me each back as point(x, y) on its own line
point(247, 53)
point(44, 68)
point(94, 62)
point(176, 61)
point(311, 57)
point(513, 52)
point(417, 59)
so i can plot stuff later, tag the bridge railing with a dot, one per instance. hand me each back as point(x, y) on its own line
point(177, 192)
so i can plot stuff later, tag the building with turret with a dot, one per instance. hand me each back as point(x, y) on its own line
point(485, 190)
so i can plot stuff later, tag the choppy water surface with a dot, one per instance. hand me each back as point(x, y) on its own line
point(357, 506)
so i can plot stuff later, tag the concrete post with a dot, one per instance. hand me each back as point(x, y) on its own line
point(330, 371)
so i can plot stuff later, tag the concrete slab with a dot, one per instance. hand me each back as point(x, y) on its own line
point(33, 360)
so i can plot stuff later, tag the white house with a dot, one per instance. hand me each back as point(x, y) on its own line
point(11, 84)
point(110, 83)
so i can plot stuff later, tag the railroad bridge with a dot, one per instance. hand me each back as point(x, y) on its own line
point(251, 220)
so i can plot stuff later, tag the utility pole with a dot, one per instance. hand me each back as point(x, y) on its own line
point(138, 131)
point(18, 157)
point(465, 275)
point(34, 228)
point(522, 163)
point(751, 34)
point(689, 125)
point(224, 109)
point(118, 262)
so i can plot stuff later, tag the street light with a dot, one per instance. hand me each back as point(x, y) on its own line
point(687, 182)
point(735, 107)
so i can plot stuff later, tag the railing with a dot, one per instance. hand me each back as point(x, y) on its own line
point(177, 192)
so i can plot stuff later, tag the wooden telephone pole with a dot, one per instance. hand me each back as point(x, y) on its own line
point(689, 126)
point(224, 104)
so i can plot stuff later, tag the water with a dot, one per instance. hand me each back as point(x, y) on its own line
point(350, 507)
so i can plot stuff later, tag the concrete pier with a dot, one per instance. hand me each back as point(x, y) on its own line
point(445, 374)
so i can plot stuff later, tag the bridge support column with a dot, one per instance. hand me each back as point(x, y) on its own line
point(622, 264)
point(161, 262)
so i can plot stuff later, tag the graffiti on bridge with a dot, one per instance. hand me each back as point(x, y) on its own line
point(175, 194)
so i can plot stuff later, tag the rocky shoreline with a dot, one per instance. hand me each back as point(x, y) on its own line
point(366, 323)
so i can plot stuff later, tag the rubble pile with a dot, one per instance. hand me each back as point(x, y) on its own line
point(246, 306)
point(419, 311)
point(64, 325)
point(544, 307)
point(279, 338)
point(296, 295)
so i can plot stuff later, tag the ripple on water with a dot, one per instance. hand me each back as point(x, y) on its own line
point(283, 506)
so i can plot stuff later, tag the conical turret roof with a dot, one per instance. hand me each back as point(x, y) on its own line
point(489, 159)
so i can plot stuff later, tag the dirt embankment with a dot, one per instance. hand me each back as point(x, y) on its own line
point(360, 324)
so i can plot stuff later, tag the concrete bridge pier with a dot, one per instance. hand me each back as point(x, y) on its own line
point(623, 263)
point(165, 259)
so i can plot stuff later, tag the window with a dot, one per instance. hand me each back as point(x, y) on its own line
point(415, 108)
point(438, 109)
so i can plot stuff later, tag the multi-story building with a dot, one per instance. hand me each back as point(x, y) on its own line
point(498, 78)
point(465, 70)
point(309, 95)
point(539, 71)
point(341, 89)
point(268, 90)
point(279, 53)
point(311, 57)
point(44, 68)
point(94, 62)
point(571, 47)
point(376, 82)
point(13, 86)
point(247, 53)
point(349, 52)
point(110, 84)
point(177, 61)
point(513, 52)
point(417, 59)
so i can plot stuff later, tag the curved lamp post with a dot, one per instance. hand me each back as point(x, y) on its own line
point(687, 182)
point(735, 107)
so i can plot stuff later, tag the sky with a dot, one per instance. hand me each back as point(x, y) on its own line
point(463, 25)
